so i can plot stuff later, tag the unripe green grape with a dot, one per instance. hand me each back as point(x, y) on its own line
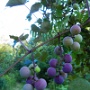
point(75, 46)
point(31, 66)
point(75, 29)
point(78, 38)
point(75, 6)
point(25, 72)
point(37, 69)
point(67, 41)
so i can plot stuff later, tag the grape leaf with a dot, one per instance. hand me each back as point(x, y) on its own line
point(15, 2)
point(22, 37)
point(79, 84)
point(13, 37)
point(35, 7)
point(34, 28)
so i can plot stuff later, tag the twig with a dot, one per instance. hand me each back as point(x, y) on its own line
point(22, 44)
point(33, 49)
point(29, 9)
point(33, 65)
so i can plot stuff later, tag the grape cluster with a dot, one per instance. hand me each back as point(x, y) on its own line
point(59, 69)
point(76, 38)
point(32, 81)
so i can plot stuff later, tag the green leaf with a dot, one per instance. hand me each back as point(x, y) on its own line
point(38, 39)
point(35, 7)
point(79, 84)
point(24, 37)
point(15, 2)
point(34, 28)
point(87, 76)
point(14, 37)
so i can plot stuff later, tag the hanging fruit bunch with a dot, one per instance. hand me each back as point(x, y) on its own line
point(59, 69)
point(32, 81)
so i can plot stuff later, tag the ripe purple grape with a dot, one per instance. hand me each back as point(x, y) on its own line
point(40, 84)
point(58, 50)
point(27, 87)
point(51, 72)
point(25, 72)
point(53, 62)
point(59, 79)
point(67, 58)
point(30, 80)
point(67, 68)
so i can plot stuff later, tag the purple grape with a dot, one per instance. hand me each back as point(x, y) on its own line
point(51, 72)
point(67, 68)
point(67, 58)
point(40, 84)
point(31, 80)
point(25, 72)
point(75, 29)
point(59, 79)
point(58, 50)
point(53, 62)
point(27, 87)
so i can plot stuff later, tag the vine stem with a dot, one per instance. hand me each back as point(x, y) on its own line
point(87, 4)
point(33, 49)
point(22, 44)
point(27, 8)
point(32, 55)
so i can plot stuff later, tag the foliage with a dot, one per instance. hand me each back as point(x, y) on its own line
point(6, 56)
point(7, 82)
point(79, 84)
